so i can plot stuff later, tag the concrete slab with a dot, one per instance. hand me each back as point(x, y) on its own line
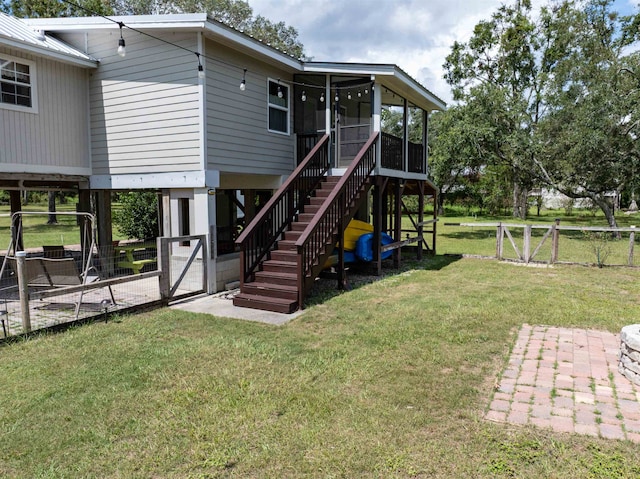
point(221, 305)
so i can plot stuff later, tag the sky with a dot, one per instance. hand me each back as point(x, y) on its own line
point(416, 35)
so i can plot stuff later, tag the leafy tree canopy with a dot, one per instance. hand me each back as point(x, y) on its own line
point(552, 99)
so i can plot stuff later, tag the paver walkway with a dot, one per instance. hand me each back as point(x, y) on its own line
point(568, 380)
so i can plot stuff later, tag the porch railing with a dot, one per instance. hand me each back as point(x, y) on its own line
point(391, 154)
point(319, 235)
point(305, 143)
point(259, 237)
point(417, 161)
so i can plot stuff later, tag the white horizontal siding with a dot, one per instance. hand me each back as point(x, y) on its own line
point(56, 137)
point(144, 107)
point(237, 136)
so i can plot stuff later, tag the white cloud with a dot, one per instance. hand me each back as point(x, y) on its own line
point(416, 35)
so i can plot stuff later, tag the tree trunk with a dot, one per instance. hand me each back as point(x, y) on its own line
point(519, 201)
point(604, 205)
point(53, 220)
point(441, 204)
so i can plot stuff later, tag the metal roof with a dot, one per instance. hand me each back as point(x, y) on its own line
point(17, 34)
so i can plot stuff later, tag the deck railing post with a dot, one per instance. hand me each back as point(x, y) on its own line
point(632, 240)
point(164, 280)
point(23, 290)
point(554, 241)
point(499, 240)
point(526, 247)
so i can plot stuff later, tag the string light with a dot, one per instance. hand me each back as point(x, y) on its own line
point(359, 94)
point(349, 95)
point(304, 96)
point(243, 83)
point(200, 67)
point(337, 97)
point(322, 97)
point(122, 51)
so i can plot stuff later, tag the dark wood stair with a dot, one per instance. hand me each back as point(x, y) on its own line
point(275, 286)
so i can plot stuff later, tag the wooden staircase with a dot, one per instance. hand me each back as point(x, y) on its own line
point(285, 246)
point(276, 286)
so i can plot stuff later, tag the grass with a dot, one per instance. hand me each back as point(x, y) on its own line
point(574, 246)
point(389, 380)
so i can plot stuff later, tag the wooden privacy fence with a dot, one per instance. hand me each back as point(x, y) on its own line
point(532, 246)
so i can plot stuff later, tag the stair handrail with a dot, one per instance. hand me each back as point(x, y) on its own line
point(261, 234)
point(316, 235)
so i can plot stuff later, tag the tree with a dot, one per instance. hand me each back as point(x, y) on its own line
point(138, 215)
point(589, 145)
point(496, 72)
point(556, 97)
point(55, 8)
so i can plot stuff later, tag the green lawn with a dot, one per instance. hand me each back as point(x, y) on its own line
point(388, 380)
point(574, 246)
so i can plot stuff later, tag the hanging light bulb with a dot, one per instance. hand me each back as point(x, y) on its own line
point(322, 97)
point(243, 83)
point(279, 92)
point(304, 96)
point(359, 94)
point(337, 98)
point(200, 67)
point(366, 91)
point(122, 51)
point(349, 95)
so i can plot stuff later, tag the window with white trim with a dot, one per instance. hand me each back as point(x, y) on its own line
point(278, 99)
point(17, 84)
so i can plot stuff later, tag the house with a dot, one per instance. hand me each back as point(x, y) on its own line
point(216, 122)
point(44, 115)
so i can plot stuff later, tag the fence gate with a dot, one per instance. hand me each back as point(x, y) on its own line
point(183, 261)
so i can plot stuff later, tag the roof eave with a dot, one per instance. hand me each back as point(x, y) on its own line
point(37, 50)
point(196, 22)
point(378, 69)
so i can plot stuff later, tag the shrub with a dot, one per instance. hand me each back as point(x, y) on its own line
point(138, 217)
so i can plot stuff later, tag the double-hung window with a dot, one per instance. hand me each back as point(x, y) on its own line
point(17, 84)
point(278, 100)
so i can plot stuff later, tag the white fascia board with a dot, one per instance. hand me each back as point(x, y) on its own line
point(45, 52)
point(42, 169)
point(349, 68)
point(68, 24)
point(245, 42)
point(175, 179)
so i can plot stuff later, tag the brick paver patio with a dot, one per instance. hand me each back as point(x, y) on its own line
point(567, 380)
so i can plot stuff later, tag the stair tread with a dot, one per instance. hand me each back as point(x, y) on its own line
point(277, 262)
point(279, 287)
point(268, 299)
point(276, 274)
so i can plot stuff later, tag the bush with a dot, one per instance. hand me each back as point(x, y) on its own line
point(138, 217)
